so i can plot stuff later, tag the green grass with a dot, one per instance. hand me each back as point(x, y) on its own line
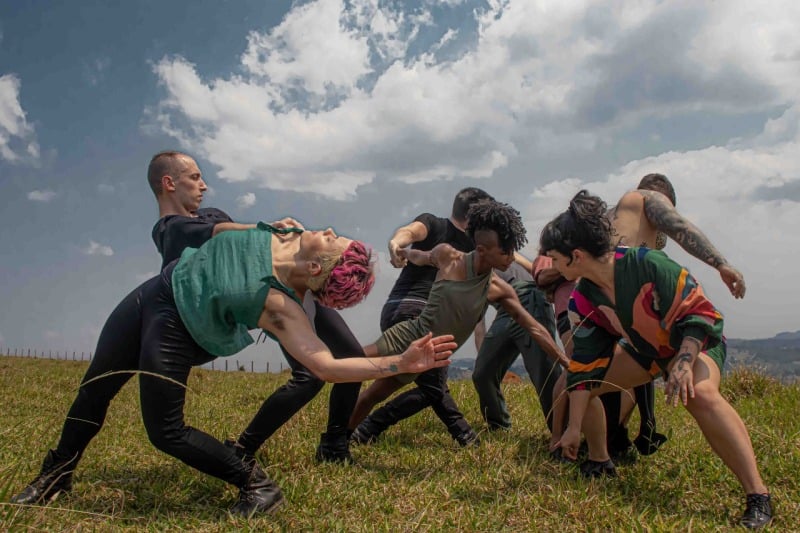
point(416, 478)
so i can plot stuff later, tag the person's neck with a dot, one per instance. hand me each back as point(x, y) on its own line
point(460, 224)
point(601, 272)
point(166, 208)
point(287, 263)
point(479, 266)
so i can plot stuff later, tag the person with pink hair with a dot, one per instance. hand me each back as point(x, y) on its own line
point(202, 306)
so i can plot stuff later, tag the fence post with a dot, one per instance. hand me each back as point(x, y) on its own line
point(212, 365)
point(251, 367)
point(29, 352)
point(226, 365)
point(267, 367)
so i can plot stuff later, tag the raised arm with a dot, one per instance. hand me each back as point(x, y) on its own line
point(663, 215)
point(287, 222)
point(502, 293)
point(440, 256)
point(285, 319)
point(403, 237)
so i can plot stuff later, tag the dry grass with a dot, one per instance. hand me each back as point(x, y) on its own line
point(416, 478)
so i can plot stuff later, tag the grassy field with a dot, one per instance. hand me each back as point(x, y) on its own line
point(416, 478)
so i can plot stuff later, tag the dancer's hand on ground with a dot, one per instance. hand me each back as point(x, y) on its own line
point(428, 352)
point(733, 279)
point(570, 442)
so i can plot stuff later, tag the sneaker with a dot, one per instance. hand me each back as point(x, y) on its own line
point(758, 512)
point(334, 448)
point(468, 438)
point(248, 459)
point(649, 444)
point(259, 495)
point(54, 478)
point(361, 435)
point(592, 469)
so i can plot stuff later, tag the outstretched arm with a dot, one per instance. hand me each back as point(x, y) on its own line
point(285, 319)
point(440, 256)
point(502, 293)
point(403, 237)
point(287, 222)
point(663, 215)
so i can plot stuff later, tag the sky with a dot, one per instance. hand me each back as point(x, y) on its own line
point(361, 115)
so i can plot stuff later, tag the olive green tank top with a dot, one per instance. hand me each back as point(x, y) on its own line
point(453, 307)
point(220, 288)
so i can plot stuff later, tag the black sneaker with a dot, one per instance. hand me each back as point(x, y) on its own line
point(468, 438)
point(54, 478)
point(592, 469)
point(259, 495)
point(558, 456)
point(334, 448)
point(361, 435)
point(758, 512)
point(649, 444)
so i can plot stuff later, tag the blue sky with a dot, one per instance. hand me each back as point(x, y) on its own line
point(362, 114)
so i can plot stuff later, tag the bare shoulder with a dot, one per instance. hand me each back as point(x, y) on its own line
point(632, 200)
point(279, 311)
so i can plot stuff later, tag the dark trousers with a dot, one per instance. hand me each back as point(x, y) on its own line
point(145, 333)
point(431, 390)
point(303, 386)
point(506, 340)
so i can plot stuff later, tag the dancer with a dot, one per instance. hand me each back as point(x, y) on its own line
point(463, 289)
point(637, 313)
point(201, 307)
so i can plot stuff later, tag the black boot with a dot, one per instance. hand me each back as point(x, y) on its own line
point(259, 495)
point(592, 469)
point(334, 447)
point(54, 478)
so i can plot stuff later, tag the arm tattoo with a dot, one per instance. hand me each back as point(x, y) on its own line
point(392, 367)
point(664, 217)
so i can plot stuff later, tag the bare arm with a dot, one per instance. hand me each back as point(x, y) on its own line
point(403, 237)
point(285, 319)
point(440, 256)
point(524, 262)
point(230, 226)
point(480, 333)
point(502, 293)
point(663, 215)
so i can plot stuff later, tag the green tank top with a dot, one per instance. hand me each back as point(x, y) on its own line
point(453, 307)
point(220, 288)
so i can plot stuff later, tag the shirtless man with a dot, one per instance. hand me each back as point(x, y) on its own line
point(646, 217)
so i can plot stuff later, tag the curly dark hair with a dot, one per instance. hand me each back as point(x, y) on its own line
point(584, 225)
point(491, 215)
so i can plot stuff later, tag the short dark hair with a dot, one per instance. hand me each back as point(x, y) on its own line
point(490, 215)
point(465, 199)
point(161, 164)
point(659, 183)
point(584, 225)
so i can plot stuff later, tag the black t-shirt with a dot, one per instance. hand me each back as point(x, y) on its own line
point(416, 281)
point(173, 233)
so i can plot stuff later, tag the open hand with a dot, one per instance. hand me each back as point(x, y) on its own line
point(680, 384)
point(428, 352)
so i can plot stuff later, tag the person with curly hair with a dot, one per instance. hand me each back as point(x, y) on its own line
point(637, 314)
point(201, 307)
point(465, 285)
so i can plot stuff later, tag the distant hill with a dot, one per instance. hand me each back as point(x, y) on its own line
point(778, 356)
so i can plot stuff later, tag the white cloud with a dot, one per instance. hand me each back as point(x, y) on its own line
point(17, 137)
point(334, 99)
point(105, 188)
point(95, 248)
point(246, 200)
point(41, 196)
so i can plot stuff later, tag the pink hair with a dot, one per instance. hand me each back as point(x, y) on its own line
point(351, 278)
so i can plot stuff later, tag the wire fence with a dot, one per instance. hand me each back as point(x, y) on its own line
point(225, 364)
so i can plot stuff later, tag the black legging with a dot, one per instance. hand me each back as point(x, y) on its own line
point(431, 390)
point(304, 385)
point(146, 333)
